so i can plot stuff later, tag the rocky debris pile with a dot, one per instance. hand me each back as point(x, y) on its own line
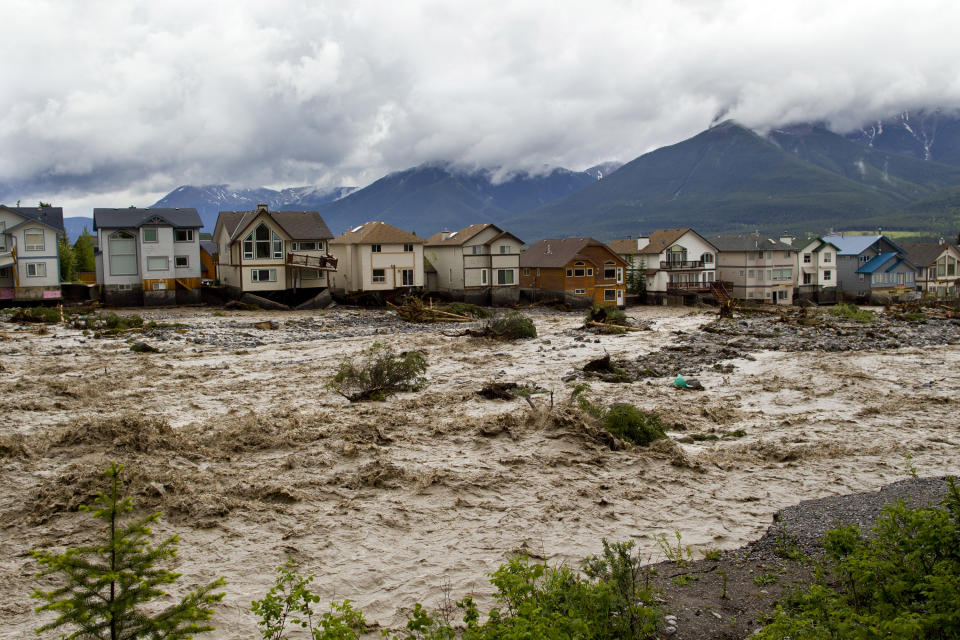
point(727, 339)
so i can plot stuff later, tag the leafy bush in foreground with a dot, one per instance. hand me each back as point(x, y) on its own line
point(513, 326)
point(629, 423)
point(379, 373)
point(903, 584)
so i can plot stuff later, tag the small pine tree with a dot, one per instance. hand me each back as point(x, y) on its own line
point(83, 248)
point(68, 261)
point(107, 585)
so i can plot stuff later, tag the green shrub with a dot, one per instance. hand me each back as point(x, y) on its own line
point(48, 315)
point(629, 423)
point(467, 309)
point(512, 326)
point(379, 373)
point(904, 583)
point(852, 312)
point(607, 315)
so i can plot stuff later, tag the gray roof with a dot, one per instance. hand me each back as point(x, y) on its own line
point(299, 225)
point(748, 242)
point(924, 254)
point(132, 217)
point(50, 216)
point(210, 246)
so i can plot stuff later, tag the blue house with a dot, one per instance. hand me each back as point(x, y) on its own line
point(870, 265)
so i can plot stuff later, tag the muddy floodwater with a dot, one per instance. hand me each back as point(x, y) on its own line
point(231, 432)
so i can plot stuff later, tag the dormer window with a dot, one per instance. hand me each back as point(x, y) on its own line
point(262, 243)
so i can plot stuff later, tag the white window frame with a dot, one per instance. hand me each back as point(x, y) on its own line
point(376, 248)
point(377, 279)
point(122, 235)
point(185, 259)
point(579, 292)
point(501, 277)
point(39, 269)
point(151, 260)
point(504, 249)
point(483, 276)
point(256, 272)
point(408, 247)
point(407, 277)
point(156, 235)
point(827, 275)
point(476, 249)
point(526, 271)
point(33, 247)
point(609, 270)
point(187, 232)
point(609, 298)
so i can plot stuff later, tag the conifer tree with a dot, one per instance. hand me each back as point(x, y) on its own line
point(107, 586)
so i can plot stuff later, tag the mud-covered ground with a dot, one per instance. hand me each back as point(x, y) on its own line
point(232, 434)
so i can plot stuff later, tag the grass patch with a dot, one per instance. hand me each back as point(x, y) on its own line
point(629, 423)
point(852, 312)
point(765, 579)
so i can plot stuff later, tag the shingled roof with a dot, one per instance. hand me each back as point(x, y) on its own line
point(133, 217)
point(299, 225)
point(376, 232)
point(749, 242)
point(50, 216)
point(924, 254)
point(553, 253)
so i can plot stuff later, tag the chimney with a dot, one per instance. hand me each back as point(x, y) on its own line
point(941, 241)
point(642, 242)
point(261, 208)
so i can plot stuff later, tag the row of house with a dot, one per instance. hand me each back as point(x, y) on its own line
point(156, 257)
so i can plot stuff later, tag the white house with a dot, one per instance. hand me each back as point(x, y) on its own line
point(376, 257)
point(269, 252)
point(674, 261)
point(29, 256)
point(479, 264)
point(148, 256)
point(817, 270)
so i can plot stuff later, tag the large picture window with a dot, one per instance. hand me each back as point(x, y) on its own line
point(158, 263)
point(262, 243)
point(123, 254)
point(263, 275)
point(183, 235)
point(33, 240)
point(504, 276)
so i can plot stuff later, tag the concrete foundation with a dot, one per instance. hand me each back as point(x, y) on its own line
point(115, 296)
point(162, 298)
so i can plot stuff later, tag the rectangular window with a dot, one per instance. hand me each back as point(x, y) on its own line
point(579, 273)
point(277, 246)
point(589, 272)
point(181, 262)
point(569, 273)
point(4, 273)
point(483, 276)
point(609, 273)
point(759, 255)
point(786, 254)
point(538, 272)
point(36, 270)
point(807, 258)
point(3, 236)
point(610, 295)
point(861, 276)
point(476, 249)
point(375, 248)
point(750, 273)
point(307, 246)
point(248, 247)
point(408, 247)
point(740, 273)
point(159, 286)
point(828, 257)
point(406, 276)
point(263, 275)
point(526, 271)
point(504, 249)
point(183, 235)
point(827, 275)
point(379, 275)
point(753, 255)
point(33, 240)
point(158, 263)
point(504, 276)
point(579, 292)
point(150, 235)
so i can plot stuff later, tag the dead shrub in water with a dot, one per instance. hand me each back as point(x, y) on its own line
point(379, 373)
point(606, 320)
point(513, 326)
point(629, 423)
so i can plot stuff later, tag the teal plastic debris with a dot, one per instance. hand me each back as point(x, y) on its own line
point(680, 383)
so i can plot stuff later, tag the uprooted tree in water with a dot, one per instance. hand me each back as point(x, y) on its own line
point(378, 373)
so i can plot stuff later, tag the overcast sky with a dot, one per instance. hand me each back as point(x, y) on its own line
point(115, 103)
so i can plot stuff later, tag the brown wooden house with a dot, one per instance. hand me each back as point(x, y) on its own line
point(577, 271)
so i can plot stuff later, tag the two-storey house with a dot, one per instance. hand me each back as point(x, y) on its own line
point(148, 256)
point(29, 255)
point(673, 261)
point(479, 264)
point(817, 270)
point(273, 254)
point(759, 268)
point(577, 271)
point(377, 257)
point(872, 265)
point(939, 267)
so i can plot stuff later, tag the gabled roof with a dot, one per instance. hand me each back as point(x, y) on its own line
point(624, 246)
point(134, 218)
point(877, 262)
point(299, 225)
point(376, 232)
point(663, 239)
point(749, 242)
point(855, 245)
point(49, 216)
point(458, 237)
point(925, 253)
point(553, 253)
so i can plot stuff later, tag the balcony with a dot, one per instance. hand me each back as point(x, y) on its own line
point(678, 265)
point(679, 288)
point(323, 263)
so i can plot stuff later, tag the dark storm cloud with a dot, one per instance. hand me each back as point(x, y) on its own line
point(110, 102)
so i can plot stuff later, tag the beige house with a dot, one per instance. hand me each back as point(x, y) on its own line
point(760, 268)
point(479, 264)
point(265, 252)
point(817, 270)
point(939, 265)
point(29, 257)
point(376, 257)
point(673, 261)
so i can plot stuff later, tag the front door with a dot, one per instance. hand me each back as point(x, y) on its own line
point(619, 297)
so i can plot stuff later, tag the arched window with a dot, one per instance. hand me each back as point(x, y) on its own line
point(262, 243)
point(707, 258)
point(123, 254)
